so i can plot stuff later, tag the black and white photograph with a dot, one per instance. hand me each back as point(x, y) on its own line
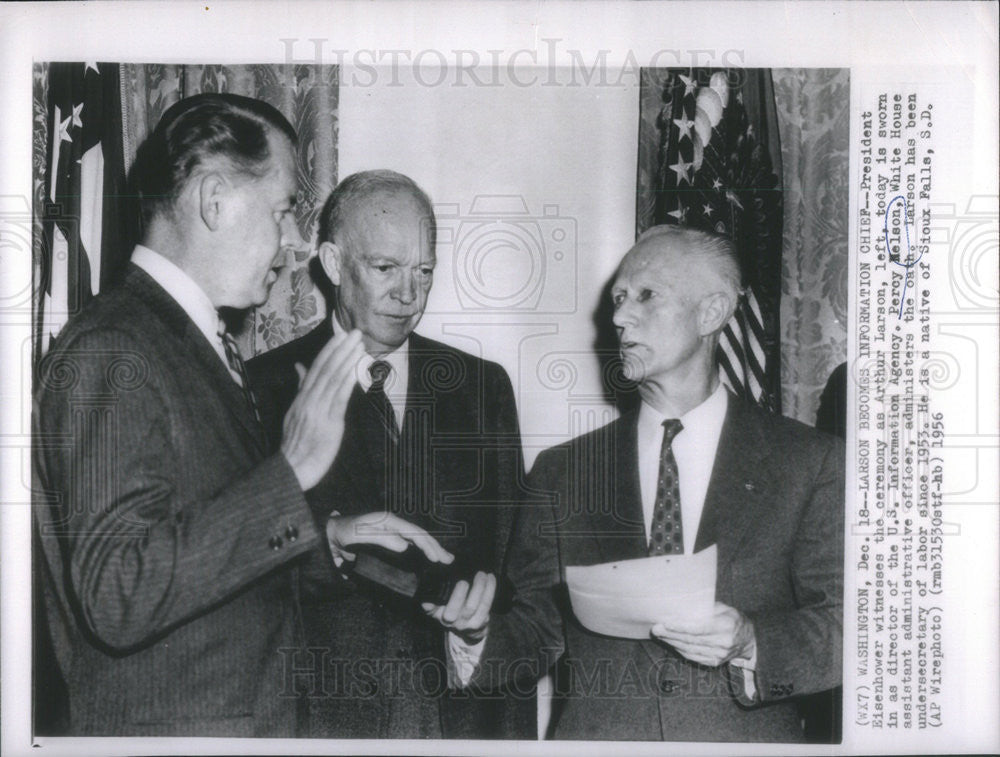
point(416, 387)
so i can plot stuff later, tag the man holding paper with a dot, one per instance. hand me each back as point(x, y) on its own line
point(692, 467)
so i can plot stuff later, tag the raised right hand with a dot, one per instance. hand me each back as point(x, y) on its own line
point(314, 424)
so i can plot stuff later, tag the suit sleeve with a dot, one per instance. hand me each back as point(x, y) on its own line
point(799, 650)
point(523, 643)
point(139, 556)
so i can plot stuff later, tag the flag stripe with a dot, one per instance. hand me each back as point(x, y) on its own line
point(91, 211)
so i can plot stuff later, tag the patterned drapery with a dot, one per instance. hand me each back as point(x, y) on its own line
point(306, 94)
point(813, 111)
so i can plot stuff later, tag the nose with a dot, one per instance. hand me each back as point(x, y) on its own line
point(290, 237)
point(405, 290)
point(624, 315)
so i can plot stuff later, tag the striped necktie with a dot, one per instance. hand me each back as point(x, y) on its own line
point(236, 364)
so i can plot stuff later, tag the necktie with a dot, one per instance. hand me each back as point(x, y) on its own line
point(665, 535)
point(236, 364)
point(379, 371)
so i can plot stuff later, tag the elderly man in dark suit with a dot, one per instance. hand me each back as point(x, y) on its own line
point(691, 467)
point(432, 441)
point(170, 532)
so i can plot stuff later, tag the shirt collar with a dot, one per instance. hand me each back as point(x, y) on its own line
point(702, 421)
point(182, 288)
point(398, 359)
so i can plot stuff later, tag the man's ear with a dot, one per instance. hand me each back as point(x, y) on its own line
point(330, 258)
point(714, 311)
point(212, 190)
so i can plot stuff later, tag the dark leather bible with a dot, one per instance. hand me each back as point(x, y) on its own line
point(410, 574)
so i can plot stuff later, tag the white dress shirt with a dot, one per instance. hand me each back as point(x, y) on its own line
point(694, 450)
point(396, 382)
point(462, 658)
point(191, 297)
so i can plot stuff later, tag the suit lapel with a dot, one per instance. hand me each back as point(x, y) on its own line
point(737, 490)
point(420, 430)
point(607, 470)
point(196, 346)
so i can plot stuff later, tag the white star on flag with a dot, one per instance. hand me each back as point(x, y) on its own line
point(707, 210)
point(684, 127)
point(681, 169)
point(690, 85)
point(680, 214)
point(716, 184)
point(77, 109)
point(64, 129)
point(90, 65)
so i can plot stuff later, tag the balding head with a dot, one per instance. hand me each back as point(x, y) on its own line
point(674, 293)
point(377, 247)
point(708, 261)
point(355, 200)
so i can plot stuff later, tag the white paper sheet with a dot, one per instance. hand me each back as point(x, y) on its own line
point(628, 597)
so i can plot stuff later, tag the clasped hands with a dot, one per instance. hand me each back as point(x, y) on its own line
point(727, 635)
point(467, 612)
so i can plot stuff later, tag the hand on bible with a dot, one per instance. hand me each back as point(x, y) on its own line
point(314, 425)
point(383, 530)
point(728, 634)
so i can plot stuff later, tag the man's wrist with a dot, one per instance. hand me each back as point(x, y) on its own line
point(337, 552)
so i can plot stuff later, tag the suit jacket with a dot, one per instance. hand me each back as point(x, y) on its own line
point(168, 534)
point(774, 508)
point(457, 471)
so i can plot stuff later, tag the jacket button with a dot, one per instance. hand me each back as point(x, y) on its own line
point(274, 543)
point(668, 687)
point(291, 533)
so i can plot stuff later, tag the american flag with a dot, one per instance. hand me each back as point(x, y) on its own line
point(86, 231)
point(709, 159)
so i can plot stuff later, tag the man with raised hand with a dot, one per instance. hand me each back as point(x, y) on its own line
point(170, 531)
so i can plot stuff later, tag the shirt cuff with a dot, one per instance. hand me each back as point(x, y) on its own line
point(748, 672)
point(463, 659)
point(338, 556)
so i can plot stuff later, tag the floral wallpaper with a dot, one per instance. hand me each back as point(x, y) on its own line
point(39, 135)
point(307, 96)
point(813, 107)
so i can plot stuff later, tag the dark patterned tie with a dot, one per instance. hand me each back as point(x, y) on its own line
point(665, 535)
point(236, 364)
point(379, 371)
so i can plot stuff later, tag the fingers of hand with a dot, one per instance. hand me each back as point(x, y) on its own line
point(481, 602)
point(339, 376)
point(455, 602)
point(321, 359)
point(423, 540)
point(329, 358)
point(710, 660)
